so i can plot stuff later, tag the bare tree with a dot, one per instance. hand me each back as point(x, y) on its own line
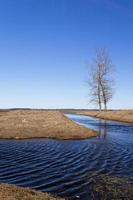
point(100, 79)
point(94, 88)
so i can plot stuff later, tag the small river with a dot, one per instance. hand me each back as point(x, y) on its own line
point(66, 168)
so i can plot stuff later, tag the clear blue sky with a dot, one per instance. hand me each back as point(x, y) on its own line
point(46, 47)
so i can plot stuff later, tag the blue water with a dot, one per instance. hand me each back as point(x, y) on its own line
point(64, 167)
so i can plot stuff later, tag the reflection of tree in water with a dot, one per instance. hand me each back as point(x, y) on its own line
point(102, 128)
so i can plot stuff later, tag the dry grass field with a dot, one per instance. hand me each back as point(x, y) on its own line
point(22, 124)
point(121, 115)
point(12, 192)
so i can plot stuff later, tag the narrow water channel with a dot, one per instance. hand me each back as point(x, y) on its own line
point(65, 168)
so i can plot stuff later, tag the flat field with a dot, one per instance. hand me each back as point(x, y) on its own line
point(23, 124)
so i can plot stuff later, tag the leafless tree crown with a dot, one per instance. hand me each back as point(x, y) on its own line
point(100, 79)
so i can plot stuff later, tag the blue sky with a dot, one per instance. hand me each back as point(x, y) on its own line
point(46, 47)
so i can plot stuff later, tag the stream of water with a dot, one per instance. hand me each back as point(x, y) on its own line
point(65, 167)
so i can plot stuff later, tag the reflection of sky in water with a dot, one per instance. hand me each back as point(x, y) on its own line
point(104, 127)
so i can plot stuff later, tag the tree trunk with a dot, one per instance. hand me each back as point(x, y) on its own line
point(104, 96)
point(105, 106)
point(99, 99)
point(100, 107)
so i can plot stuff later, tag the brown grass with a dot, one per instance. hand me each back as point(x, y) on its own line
point(121, 115)
point(12, 192)
point(105, 187)
point(21, 124)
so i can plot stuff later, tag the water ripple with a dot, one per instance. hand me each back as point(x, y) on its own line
point(66, 167)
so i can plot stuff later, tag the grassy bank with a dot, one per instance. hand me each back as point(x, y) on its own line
point(102, 187)
point(121, 115)
point(22, 124)
point(106, 187)
point(12, 192)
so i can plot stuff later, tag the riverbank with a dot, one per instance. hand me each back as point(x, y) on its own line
point(26, 124)
point(101, 187)
point(105, 187)
point(12, 192)
point(121, 115)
